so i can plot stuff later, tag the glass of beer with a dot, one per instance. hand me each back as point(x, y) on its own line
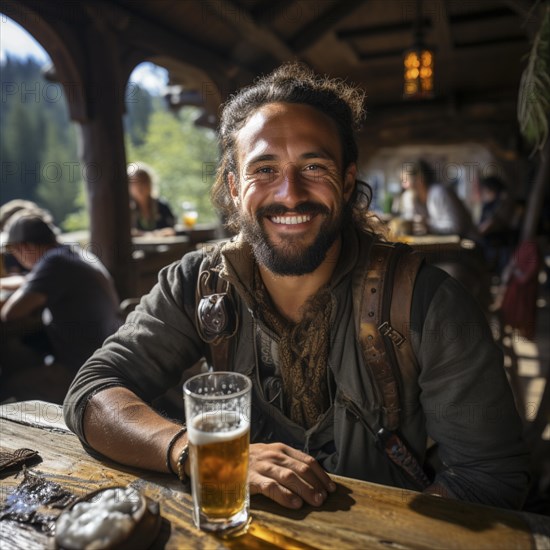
point(217, 411)
point(190, 215)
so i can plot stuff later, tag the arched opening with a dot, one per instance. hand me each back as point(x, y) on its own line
point(169, 121)
point(169, 125)
point(38, 150)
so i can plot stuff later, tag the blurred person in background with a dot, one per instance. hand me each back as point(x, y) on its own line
point(9, 265)
point(410, 214)
point(495, 223)
point(148, 213)
point(443, 211)
point(440, 211)
point(78, 300)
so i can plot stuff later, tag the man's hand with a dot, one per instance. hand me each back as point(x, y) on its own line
point(287, 475)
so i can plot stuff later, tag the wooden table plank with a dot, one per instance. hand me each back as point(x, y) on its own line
point(358, 515)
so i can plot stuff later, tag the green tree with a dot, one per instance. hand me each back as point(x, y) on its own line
point(38, 143)
point(81, 218)
point(22, 138)
point(139, 107)
point(60, 178)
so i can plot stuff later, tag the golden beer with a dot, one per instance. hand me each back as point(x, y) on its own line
point(189, 219)
point(217, 409)
point(219, 462)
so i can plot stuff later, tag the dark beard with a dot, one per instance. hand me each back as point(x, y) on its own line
point(291, 258)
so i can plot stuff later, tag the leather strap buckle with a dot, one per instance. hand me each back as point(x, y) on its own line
point(395, 336)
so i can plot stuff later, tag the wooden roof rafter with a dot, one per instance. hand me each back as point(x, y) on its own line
point(265, 13)
point(442, 30)
point(131, 27)
point(313, 32)
point(253, 31)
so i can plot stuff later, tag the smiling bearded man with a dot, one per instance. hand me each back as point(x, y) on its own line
point(287, 187)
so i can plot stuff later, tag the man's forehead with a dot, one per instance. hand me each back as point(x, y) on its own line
point(273, 113)
point(274, 120)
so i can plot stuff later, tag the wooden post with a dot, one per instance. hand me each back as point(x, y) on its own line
point(104, 159)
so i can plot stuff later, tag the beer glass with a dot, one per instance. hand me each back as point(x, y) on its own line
point(190, 215)
point(217, 411)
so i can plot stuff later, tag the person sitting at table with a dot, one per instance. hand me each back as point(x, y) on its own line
point(287, 183)
point(148, 213)
point(10, 266)
point(495, 224)
point(78, 298)
point(408, 214)
point(440, 207)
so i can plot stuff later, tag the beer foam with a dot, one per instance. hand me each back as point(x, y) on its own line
point(199, 437)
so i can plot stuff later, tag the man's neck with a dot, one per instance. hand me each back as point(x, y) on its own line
point(290, 293)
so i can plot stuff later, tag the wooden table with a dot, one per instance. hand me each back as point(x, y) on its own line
point(460, 258)
point(359, 515)
point(201, 232)
point(154, 243)
point(152, 253)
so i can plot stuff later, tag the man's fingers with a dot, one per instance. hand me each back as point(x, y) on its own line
point(297, 483)
point(275, 491)
point(311, 470)
point(287, 476)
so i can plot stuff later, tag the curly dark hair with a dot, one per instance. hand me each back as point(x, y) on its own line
point(290, 83)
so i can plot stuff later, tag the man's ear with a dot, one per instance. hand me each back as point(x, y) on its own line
point(233, 187)
point(349, 180)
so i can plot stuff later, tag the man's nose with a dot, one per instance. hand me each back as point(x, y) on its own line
point(291, 188)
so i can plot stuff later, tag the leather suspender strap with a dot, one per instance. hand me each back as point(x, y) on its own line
point(406, 271)
point(383, 286)
point(383, 299)
point(372, 344)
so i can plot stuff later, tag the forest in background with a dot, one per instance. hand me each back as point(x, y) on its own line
point(39, 147)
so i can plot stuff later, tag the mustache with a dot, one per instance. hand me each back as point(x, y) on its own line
point(306, 207)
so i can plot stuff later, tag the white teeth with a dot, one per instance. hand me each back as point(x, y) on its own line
point(290, 220)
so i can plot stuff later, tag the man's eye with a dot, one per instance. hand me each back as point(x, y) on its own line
point(262, 174)
point(314, 167)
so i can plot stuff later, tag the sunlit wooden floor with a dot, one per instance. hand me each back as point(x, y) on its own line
point(531, 377)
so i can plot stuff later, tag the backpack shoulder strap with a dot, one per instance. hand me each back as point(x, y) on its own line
point(383, 284)
point(368, 297)
point(382, 287)
point(408, 266)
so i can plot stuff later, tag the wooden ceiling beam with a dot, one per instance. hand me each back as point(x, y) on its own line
point(530, 13)
point(442, 30)
point(384, 30)
point(314, 31)
point(250, 30)
point(475, 106)
point(266, 13)
point(521, 7)
point(132, 27)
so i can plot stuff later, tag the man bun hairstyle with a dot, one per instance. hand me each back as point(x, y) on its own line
point(291, 83)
